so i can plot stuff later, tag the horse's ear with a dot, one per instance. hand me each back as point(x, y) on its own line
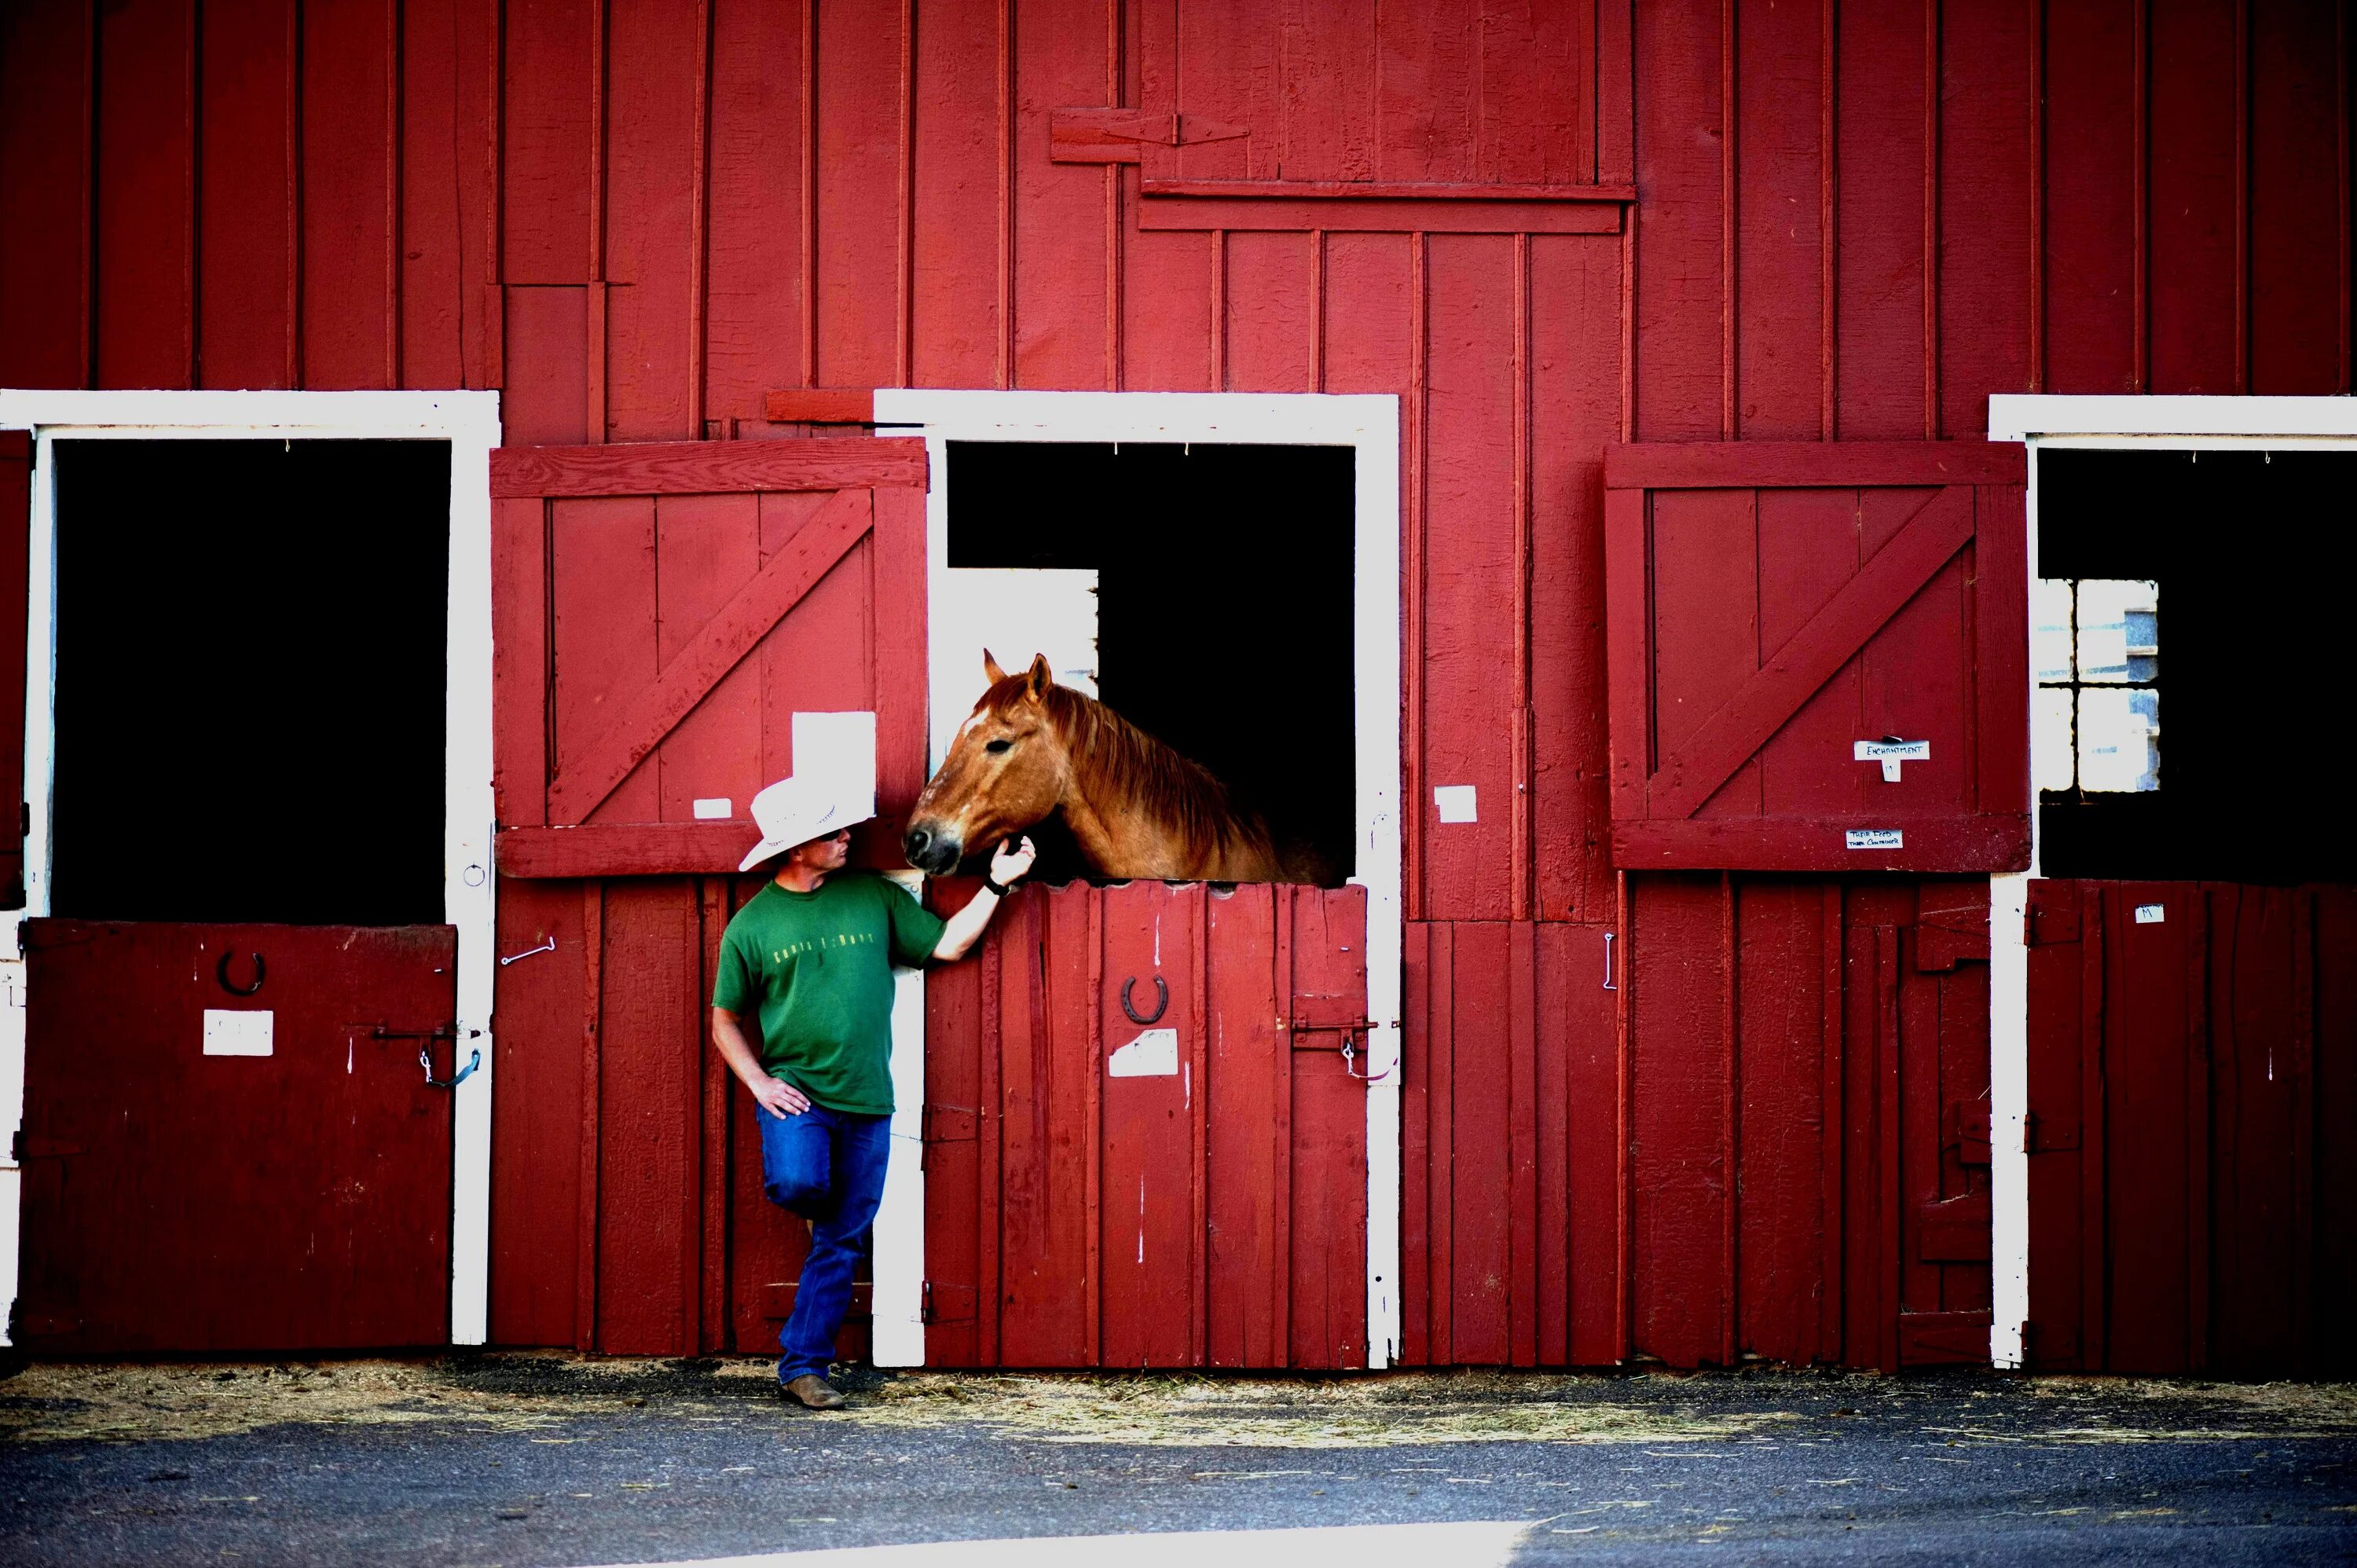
point(1040, 677)
point(990, 668)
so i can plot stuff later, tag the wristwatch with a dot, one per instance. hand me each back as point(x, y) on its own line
point(992, 883)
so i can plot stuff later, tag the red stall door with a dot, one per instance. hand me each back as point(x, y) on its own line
point(228, 1142)
point(1145, 1139)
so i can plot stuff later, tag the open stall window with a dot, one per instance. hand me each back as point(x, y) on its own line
point(2096, 641)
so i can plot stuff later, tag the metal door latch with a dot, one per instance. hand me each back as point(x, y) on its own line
point(425, 1051)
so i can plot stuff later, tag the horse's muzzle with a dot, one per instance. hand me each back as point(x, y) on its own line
point(935, 854)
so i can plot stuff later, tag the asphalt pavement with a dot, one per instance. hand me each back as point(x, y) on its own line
point(545, 1460)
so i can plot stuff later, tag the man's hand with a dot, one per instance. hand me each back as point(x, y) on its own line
point(1011, 861)
point(780, 1099)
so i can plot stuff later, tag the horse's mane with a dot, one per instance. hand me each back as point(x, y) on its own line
point(1107, 749)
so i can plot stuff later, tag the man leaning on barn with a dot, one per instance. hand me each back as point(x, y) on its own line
point(809, 959)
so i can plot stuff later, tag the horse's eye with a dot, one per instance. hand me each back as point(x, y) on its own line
point(997, 746)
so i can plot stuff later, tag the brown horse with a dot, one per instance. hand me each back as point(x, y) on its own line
point(1032, 750)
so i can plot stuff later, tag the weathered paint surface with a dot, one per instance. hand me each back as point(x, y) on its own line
point(1849, 223)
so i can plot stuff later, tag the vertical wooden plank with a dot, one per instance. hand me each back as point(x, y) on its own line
point(754, 320)
point(1521, 1194)
point(2193, 103)
point(2192, 906)
point(1416, 1024)
point(825, 656)
point(1468, 589)
point(712, 1128)
point(1681, 1186)
point(16, 500)
point(2000, 609)
point(1579, 1094)
point(1781, 1107)
point(520, 668)
point(1810, 545)
point(653, 200)
point(590, 1139)
point(1891, 1257)
point(550, 125)
point(1481, 1145)
point(2090, 168)
point(1058, 209)
point(955, 325)
point(1440, 1142)
point(544, 397)
point(1878, 249)
point(537, 1122)
point(1780, 158)
point(350, 317)
point(603, 631)
point(1272, 312)
point(1987, 186)
point(2299, 278)
point(706, 548)
point(1706, 615)
point(2095, 1202)
point(246, 285)
point(47, 97)
point(2145, 1047)
point(952, 1123)
point(1679, 281)
point(1326, 1186)
point(2334, 1173)
point(1833, 1127)
point(1575, 402)
point(448, 193)
point(647, 1260)
point(1148, 1218)
point(145, 303)
point(990, 1183)
point(1046, 1290)
point(1248, 1080)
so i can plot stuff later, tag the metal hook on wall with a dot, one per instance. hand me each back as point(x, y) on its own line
point(426, 1060)
point(1608, 962)
point(1161, 1001)
point(220, 972)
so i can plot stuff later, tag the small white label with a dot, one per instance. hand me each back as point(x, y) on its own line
point(1153, 1054)
point(237, 1033)
point(1455, 802)
point(714, 808)
point(2151, 914)
point(1892, 751)
point(1874, 838)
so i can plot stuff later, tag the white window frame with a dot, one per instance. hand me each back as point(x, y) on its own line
point(2046, 421)
point(469, 423)
point(1369, 425)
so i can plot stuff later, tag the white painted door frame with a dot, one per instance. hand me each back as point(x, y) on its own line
point(1369, 425)
point(2044, 421)
point(469, 423)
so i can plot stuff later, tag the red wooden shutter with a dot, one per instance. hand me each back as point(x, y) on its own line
point(1768, 607)
point(16, 506)
point(662, 610)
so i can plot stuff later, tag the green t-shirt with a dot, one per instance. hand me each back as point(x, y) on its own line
point(816, 968)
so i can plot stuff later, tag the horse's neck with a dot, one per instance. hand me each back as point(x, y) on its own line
point(1109, 815)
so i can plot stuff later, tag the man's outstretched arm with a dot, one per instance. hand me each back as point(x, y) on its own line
point(964, 927)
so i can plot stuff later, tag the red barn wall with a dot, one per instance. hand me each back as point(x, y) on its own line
point(635, 220)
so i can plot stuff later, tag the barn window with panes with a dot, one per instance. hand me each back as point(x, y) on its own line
point(2097, 645)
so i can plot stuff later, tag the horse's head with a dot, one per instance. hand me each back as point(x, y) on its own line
point(1006, 770)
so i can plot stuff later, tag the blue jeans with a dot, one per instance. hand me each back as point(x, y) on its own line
point(827, 1167)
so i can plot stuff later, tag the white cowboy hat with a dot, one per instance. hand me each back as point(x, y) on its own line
point(797, 810)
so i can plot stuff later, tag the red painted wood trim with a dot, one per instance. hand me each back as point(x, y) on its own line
point(593, 954)
point(1719, 465)
point(632, 849)
point(1106, 135)
point(2000, 601)
point(1294, 214)
point(1811, 657)
point(706, 468)
point(1991, 842)
point(820, 405)
point(1351, 190)
point(725, 639)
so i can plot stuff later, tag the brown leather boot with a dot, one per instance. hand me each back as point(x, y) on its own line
point(814, 1392)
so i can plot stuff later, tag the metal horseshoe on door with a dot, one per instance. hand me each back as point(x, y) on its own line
point(1161, 1001)
point(220, 972)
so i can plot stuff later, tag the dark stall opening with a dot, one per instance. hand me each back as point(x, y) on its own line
point(1224, 605)
point(2210, 589)
point(251, 650)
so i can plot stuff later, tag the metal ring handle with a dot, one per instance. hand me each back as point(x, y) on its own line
point(426, 1060)
point(220, 972)
point(1161, 1000)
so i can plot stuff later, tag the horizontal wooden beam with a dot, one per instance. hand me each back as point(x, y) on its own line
point(707, 468)
point(1272, 207)
point(821, 406)
point(1744, 464)
point(661, 849)
point(1958, 844)
point(1350, 191)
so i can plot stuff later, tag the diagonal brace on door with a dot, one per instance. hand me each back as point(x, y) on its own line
point(600, 768)
point(1812, 656)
